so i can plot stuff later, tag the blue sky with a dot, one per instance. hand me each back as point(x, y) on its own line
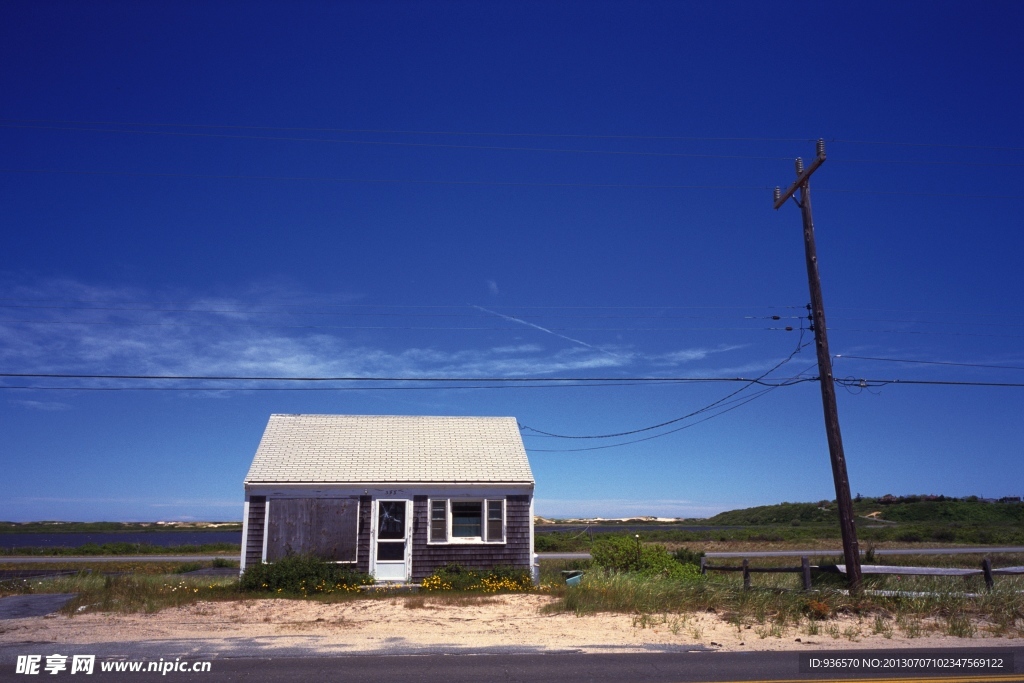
point(507, 190)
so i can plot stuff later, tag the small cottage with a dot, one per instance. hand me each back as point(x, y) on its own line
point(394, 496)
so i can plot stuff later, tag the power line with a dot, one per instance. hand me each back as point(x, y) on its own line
point(264, 309)
point(739, 402)
point(928, 312)
point(385, 131)
point(938, 145)
point(409, 132)
point(182, 324)
point(328, 304)
point(487, 183)
point(933, 362)
point(125, 323)
point(253, 311)
point(236, 378)
point(491, 148)
point(415, 306)
point(361, 388)
point(864, 383)
point(388, 314)
point(800, 345)
point(384, 181)
point(512, 383)
point(391, 143)
point(930, 333)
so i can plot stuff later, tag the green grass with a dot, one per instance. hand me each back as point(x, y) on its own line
point(773, 606)
point(775, 603)
point(133, 592)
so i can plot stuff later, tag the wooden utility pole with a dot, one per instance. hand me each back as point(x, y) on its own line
point(847, 525)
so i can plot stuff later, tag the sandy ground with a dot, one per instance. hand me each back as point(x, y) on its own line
point(409, 624)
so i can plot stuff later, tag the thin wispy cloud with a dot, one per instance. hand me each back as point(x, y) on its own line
point(48, 406)
point(546, 330)
point(82, 329)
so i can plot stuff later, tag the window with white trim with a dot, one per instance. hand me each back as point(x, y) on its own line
point(466, 521)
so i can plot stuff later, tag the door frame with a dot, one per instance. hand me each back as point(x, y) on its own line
point(375, 515)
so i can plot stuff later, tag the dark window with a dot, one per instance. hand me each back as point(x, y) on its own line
point(495, 520)
point(391, 551)
point(467, 522)
point(391, 519)
point(439, 520)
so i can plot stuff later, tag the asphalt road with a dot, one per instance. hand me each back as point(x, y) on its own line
point(821, 553)
point(20, 559)
point(25, 606)
point(668, 667)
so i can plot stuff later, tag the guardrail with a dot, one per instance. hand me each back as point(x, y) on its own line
point(806, 568)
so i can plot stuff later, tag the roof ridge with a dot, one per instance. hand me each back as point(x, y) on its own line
point(433, 417)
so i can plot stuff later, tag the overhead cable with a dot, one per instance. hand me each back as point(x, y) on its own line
point(738, 402)
point(490, 183)
point(237, 378)
point(933, 362)
point(799, 346)
point(593, 136)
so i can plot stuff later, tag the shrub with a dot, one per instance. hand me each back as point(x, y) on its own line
point(622, 554)
point(559, 542)
point(222, 563)
point(619, 553)
point(816, 609)
point(458, 578)
point(686, 556)
point(188, 567)
point(302, 574)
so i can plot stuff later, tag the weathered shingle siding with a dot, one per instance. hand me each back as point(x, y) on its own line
point(254, 543)
point(516, 550)
point(363, 534)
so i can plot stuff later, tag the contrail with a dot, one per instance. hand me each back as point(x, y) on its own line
point(544, 329)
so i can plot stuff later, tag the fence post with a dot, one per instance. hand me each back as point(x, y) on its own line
point(986, 569)
point(746, 574)
point(805, 568)
point(703, 569)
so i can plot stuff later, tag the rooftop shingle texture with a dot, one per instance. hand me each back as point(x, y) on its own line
point(389, 448)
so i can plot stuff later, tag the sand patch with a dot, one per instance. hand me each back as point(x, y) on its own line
point(410, 623)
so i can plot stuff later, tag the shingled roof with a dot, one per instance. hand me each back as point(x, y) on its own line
point(389, 448)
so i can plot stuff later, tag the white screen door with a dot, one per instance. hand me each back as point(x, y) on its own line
point(392, 543)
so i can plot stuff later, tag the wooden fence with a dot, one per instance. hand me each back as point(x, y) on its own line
point(806, 568)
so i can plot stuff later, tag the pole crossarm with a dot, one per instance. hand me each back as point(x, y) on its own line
point(782, 197)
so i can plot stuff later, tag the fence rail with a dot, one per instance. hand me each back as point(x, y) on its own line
point(806, 568)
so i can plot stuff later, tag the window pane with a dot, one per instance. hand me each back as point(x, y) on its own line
point(391, 551)
point(438, 520)
point(391, 519)
point(494, 520)
point(467, 520)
